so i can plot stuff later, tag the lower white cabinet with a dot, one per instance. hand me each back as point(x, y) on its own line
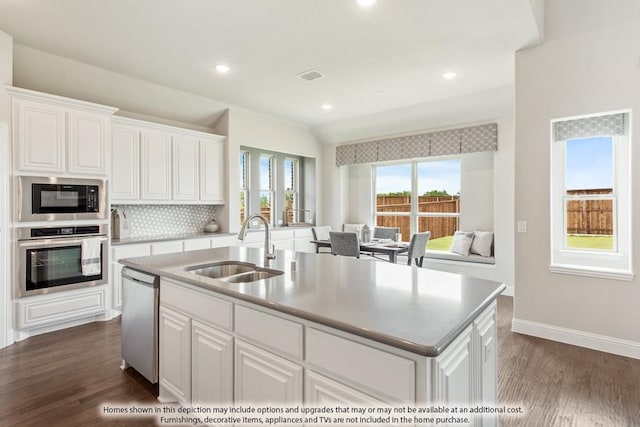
point(263, 377)
point(118, 253)
point(175, 354)
point(166, 247)
point(321, 390)
point(211, 365)
point(453, 372)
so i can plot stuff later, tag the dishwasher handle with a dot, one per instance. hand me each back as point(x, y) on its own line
point(140, 277)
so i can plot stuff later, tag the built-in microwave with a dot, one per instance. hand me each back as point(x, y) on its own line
point(44, 198)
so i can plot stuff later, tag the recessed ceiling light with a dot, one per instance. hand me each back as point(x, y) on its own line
point(366, 3)
point(327, 107)
point(449, 76)
point(222, 69)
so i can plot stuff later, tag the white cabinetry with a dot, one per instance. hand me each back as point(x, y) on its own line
point(262, 377)
point(125, 163)
point(167, 247)
point(453, 372)
point(118, 253)
point(57, 135)
point(320, 390)
point(174, 165)
point(211, 365)
point(485, 341)
point(155, 153)
point(175, 351)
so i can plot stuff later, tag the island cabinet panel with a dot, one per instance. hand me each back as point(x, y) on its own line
point(211, 365)
point(263, 377)
point(362, 366)
point(321, 390)
point(485, 336)
point(175, 356)
point(198, 305)
point(280, 335)
point(453, 372)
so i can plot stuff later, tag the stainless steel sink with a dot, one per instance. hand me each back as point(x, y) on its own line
point(253, 276)
point(222, 269)
point(234, 271)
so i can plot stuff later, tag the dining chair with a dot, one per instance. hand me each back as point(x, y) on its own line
point(385, 232)
point(345, 243)
point(320, 233)
point(418, 247)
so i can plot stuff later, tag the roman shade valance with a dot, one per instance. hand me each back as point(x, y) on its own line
point(610, 124)
point(469, 139)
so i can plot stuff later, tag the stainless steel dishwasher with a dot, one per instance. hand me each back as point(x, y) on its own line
point(140, 302)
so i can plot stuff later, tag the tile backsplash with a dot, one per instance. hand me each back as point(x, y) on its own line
point(154, 220)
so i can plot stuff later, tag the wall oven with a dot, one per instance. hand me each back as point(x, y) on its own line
point(60, 258)
point(53, 199)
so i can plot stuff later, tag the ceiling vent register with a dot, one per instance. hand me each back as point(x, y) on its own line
point(310, 75)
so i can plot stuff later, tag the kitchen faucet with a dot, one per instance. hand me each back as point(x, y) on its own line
point(243, 233)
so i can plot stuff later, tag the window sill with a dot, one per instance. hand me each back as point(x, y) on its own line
point(601, 273)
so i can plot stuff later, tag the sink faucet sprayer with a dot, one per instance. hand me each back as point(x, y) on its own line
point(243, 233)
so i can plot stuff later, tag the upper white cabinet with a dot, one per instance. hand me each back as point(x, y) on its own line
point(155, 152)
point(165, 164)
point(57, 135)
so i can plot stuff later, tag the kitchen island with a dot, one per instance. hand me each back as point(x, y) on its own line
point(335, 329)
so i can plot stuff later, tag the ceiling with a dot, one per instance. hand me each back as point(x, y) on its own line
point(387, 57)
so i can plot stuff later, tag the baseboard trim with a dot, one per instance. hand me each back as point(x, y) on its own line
point(578, 338)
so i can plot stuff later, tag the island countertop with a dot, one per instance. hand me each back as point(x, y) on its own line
point(415, 309)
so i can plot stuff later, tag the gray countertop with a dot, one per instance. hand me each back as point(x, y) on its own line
point(416, 309)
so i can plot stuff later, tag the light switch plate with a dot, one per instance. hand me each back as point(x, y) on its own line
point(522, 226)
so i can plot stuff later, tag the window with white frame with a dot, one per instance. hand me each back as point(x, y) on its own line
point(420, 196)
point(590, 196)
point(291, 179)
point(244, 186)
point(267, 179)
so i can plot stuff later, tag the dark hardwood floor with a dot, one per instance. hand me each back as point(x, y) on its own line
point(62, 378)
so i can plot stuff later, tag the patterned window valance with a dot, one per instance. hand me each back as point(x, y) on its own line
point(611, 124)
point(441, 143)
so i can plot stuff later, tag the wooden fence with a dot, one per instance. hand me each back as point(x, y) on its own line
point(590, 216)
point(439, 226)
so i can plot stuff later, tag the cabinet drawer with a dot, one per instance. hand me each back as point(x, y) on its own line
point(195, 244)
point(280, 335)
point(200, 306)
point(383, 372)
point(166, 247)
point(130, 251)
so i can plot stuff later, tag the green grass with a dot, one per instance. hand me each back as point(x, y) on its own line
point(590, 242)
point(441, 244)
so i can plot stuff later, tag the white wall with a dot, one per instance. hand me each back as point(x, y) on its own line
point(6, 72)
point(589, 63)
point(349, 191)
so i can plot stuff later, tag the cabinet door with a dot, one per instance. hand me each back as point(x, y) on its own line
point(87, 143)
point(211, 365)
point(166, 247)
point(185, 168)
point(323, 391)
point(195, 244)
point(125, 164)
point(155, 152)
point(116, 285)
point(453, 371)
point(262, 377)
point(212, 171)
point(39, 135)
point(485, 348)
point(175, 356)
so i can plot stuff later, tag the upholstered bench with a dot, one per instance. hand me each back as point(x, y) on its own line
point(467, 246)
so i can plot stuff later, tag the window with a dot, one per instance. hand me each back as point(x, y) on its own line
point(418, 197)
point(267, 187)
point(291, 191)
point(590, 196)
point(244, 185)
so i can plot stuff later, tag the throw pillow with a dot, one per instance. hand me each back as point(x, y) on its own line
point(482, 241)
point(462, 242)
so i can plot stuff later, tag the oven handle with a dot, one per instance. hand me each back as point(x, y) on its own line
point(53, 243)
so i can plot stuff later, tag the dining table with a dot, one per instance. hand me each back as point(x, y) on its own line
point(384, 247)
